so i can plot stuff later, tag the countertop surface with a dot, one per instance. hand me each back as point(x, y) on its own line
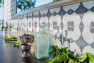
point(10, 54)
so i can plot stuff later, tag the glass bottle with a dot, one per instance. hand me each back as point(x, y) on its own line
point(66, 43)
point(42, 43)
point(58, 42)
point(61, 38)
point(50, 32)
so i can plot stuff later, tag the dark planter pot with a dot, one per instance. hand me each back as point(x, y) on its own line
point(25, 50)
point(26, 38)
point(25, 47)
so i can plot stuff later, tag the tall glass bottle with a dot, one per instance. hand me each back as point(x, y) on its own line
point(50, 32)
point(61, 38)
point(58, 42)
point(42, 43)
point(66, 43)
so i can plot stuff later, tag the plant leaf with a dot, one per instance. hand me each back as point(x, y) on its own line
point(82, 57)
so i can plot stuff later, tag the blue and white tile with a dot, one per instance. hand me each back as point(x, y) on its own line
point(88, 34)
point(73, 7)
point(75, 18)
point(44, 12)
point(75, 33)
point(44, 19)
point(55, 10)
point(88, 49)
point(88, 4)
point(36, 20)
point(25, 23)
point(53, 19)
point(30, 21)
point(69, 32)
point(88, 18)
point(75, 48)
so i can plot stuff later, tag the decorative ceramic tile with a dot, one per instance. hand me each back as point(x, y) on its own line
point(75, 33)
point(81, 28)
point(66, 19)
point(81, 42)
point(55, 11)
point(87, 35)
point(44, 19)
point(49, 13)
point(32, 15)
point(36, 24)
point(39, 15)
point(92, 30)
point(71, 40)
point(73, 7)
point(70, 12)
point(69, 32)
point(44, 12)
point(88, 18)
point(55, 19)
point(75, 18)
point(62, 11)
point(88, 49)
point(75, 48)
point(92, 9)
point(81, 9)
point(92, 45)
point(61, 26)
point(88, 4)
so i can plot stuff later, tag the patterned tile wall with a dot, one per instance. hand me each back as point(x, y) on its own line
point(78, 19)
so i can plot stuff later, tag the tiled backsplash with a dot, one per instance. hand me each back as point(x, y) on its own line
point(78, 19)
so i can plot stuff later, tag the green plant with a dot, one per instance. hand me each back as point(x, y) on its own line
point(5, 28)
point(17, 44)
point(65, 56)
point(6, 39)
point(11, 38)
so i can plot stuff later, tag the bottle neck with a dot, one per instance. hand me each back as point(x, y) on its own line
point(41, 29)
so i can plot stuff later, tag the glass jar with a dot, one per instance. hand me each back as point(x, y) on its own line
point(42, 43)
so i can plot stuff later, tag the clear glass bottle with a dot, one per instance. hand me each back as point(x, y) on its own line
point(58, 42)
point(66, 43)
point(42, 43)
point(50, 32)
point(61, 38)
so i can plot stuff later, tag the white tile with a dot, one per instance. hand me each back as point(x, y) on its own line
point(30, 28)
point(54, 19)
point(87, 35)
point(88, 18)
point(35, 13)
point(73, 7)
point(75, 34)
point(88, 4)
point(36, 20)
point(75, 18)
point(88, 49)
point(69, 32)
point(44, 12)
point(55, 10)
point(66, 19)
point(75, 48)
point(44, 19)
